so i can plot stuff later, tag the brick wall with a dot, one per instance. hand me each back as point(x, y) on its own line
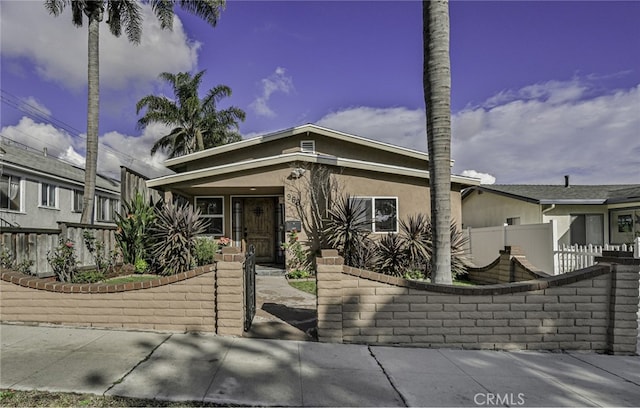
point(206, 299)
point(511, 266)
point(592, 309)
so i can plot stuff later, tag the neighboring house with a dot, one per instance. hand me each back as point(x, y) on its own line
point(585, 214)
point(37, 190)
point(246, 189)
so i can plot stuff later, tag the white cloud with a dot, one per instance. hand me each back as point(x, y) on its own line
point(276, 82)
point(536, 134)
point(32, 105)
point(485, 178)
point(59, 49)
point(398, 126)
point(595, 139)
point(115, 149)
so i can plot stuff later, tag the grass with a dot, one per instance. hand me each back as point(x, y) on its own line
point(15, 398)
point(305, 286)
point(131, 278)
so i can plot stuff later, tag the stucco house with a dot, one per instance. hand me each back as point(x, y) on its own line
point(585, 214)
point(248, 189)
point(38, 190)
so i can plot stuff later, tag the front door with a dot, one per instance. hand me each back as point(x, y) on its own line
point(259, 221)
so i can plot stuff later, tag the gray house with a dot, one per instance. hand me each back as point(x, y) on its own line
point(38, 190)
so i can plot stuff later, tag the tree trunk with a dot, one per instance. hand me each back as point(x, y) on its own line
point(93, 113)
point(437, 96)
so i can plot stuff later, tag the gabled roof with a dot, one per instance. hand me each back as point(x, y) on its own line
point(298, 157)
point(296, 131)
point(559, 194)
point(35, 162)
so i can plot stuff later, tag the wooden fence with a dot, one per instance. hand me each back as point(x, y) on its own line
point(573, 257)
point(26, 244)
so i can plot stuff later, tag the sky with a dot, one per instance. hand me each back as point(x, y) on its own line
point(539, 89)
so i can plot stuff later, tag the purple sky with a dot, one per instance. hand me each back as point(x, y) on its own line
point(539, 89)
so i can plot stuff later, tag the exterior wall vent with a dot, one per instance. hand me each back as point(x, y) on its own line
point(308, 146)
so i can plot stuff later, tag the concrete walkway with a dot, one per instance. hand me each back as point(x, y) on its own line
point(282, 312)
point(264, 372)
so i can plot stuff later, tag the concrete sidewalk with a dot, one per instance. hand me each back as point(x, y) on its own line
point(295, 373)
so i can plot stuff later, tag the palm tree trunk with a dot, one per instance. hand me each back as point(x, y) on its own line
point(437, 95)
point(92, 119)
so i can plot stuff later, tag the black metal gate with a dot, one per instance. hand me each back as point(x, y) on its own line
point(249, 286)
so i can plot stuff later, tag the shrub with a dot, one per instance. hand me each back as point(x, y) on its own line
point(63, 260)
point(174, 233)
point(96, 249)
point(7, 260)
point(133, 229)
point(297, 258)
point(141, 266)
point(391, 257)
point(347, 230)
point(417, 233)
point(205, 250)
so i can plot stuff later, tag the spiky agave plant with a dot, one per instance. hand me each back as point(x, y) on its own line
point(416, 232)
point(459, 258)
point(347, 230)
point(174, 232)
point(391, 256)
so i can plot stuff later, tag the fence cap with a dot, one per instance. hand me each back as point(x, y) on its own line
point(618, 257)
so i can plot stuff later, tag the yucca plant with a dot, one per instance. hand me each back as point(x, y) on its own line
point(391, 256)
point(174, 233)
point(416, 233)
point(459, 258)
point(134, 224)
point(347, 230)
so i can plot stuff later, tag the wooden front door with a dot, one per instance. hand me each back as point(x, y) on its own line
point(259, 222)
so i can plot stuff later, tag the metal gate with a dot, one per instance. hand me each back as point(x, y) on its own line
point(249, 286)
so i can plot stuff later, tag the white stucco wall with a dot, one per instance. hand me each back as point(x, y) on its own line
point(491, 210)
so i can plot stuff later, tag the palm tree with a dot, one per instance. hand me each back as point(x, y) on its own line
point(127, 13)
point(437, 96)
point(197, 123)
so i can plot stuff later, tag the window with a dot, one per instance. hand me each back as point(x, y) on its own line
point(106, 209)
point(212, 208)
point(9, 193)
point(308, 146)
point(587, 229)
point(379, 213)
point(513, 221)
point(77, 200)
point(48, 194)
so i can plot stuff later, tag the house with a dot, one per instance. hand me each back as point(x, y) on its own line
point(38, 190)
point(585, 214)
point(249, 189)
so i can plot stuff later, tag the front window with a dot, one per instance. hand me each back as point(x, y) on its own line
point(48, 194)
point(380, 214)
point(9, 193)
point(77, 201)
point(106, 209)
point(212, 209)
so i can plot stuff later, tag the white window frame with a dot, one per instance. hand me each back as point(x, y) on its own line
point(74, 192)
point(212, 216)
point(41, 197)
point(373, 212)
point(20, 182)
point(112, 204)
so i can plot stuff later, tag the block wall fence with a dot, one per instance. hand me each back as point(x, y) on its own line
point(206, 299)
point(592, 309)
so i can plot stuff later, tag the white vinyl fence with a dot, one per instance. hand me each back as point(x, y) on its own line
point(539, 242)
point(572, 257)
